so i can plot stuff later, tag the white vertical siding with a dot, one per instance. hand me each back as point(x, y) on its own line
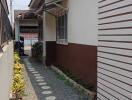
point(115, 50)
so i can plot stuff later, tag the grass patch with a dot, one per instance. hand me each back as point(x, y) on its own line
point(75, 78)
point(68, 83)
point(61, 77)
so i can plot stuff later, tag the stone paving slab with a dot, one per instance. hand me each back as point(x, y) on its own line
point(29, 90)
point(47, 86)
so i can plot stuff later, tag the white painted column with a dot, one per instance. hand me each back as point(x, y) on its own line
point(17, 30)
point(44, 40)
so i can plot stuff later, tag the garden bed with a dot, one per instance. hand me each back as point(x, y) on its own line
point(18, 85)
point(75, 82)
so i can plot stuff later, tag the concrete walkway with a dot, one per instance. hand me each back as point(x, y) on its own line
point(46, 86)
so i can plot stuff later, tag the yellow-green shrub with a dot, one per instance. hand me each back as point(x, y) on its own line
point(18, 81)
point(16, 57)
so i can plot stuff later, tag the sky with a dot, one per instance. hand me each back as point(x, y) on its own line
point(20, 4)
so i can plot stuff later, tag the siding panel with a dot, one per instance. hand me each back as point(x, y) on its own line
point(113, 92)
point(118, 59)
point(116, 32)
point(116, 70)
point(119, 90)
point(116, 44)
point(120, 5)
point(116, 25)
point(116, 38)
point(105, 95)
point(109, 3)
point(115, 18)
point(113, 12)
point(119, 77)
point(115, 50)
point(115, 81)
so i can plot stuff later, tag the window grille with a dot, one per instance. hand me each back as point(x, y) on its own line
point(5, 26)
point(61, 28)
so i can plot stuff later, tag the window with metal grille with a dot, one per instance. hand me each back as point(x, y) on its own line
point(5, 26)
point(61, 28)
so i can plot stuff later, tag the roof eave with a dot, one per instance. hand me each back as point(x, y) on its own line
point(34, 4)
point(31, 3)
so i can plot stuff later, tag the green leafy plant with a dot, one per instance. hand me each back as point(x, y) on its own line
point(37, 51)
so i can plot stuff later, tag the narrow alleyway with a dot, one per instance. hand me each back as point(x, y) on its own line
point(43, 84)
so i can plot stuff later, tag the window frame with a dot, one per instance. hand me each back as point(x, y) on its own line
point(61, 28)
point(5, 27)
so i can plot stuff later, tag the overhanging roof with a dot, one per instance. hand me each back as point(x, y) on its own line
point(54, 7)
point(50, 7)
point(30, 3)
point(24, 14)
point(34, 4)
point(54, 4)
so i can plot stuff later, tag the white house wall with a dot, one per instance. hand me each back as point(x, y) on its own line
point(50, 28)
point(80, 54)
point(82, 22)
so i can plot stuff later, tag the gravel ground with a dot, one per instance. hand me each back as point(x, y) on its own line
point(43, 84)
